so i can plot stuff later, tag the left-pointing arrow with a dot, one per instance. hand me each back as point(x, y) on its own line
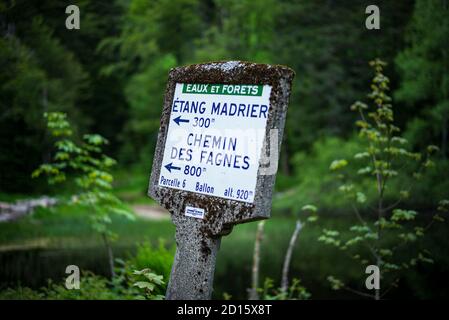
point(178, 120)
point(171, 167)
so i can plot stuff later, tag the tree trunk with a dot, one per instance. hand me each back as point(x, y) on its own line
point(110, 255)
point(253, 295)
point(288, 257)
point(378, 260)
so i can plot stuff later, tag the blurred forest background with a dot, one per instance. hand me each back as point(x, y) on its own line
point(110, 76)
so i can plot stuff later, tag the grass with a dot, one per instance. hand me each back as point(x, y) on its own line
point(38, 247)
point(45, 242)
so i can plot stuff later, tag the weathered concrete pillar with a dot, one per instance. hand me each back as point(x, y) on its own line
point(194, 265)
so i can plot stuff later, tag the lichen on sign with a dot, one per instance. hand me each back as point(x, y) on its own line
point(219, 211)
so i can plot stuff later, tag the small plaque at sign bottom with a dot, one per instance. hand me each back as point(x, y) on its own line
point(194, 212)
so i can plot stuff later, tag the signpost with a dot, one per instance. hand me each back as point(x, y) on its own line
point(216, 159)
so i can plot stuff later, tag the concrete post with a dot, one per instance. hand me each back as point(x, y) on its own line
point(194, 265)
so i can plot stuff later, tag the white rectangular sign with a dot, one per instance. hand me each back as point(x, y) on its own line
point(215, 138)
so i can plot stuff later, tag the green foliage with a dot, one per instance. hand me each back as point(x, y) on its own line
point(38, 74)
point(146, 280)
point(129, 281)
point(142, 92)
point(245, 31)
point(157, 258)
point(313, 181)
point(296, 291)
point(424, 69)
point(147, 270)
point(20, 293)
point(63, 234)
point(149, 46)
point(312, 210)
point(92, 287)
point(336, 284)
point(384, 240)
point(325, 43)
point(90, 170)
point(154, 37)
point(125, 286)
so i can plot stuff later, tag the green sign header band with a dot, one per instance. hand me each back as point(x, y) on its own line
point(224, 89)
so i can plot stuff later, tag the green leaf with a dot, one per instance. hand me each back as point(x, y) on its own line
point(358, 106)
point(361, 198)
point(331, 233)
point(371, 236)
point(419, 231)
point(353, 241)
point(422, 258)
point(329, 241)
point(144, 285)
point(361, 155)
point(386, 252)
point(432, 149)
point(365, 170)
point(399, 140)
point(336, 284)
point(360, 228)
point(95, 139)
point(309, 207)
point(391, 266)
point(429, 164)
point(346, 188)
point(61, 156)
point(408, 237)
point(403, 215)
point(142, 272)
point(385, 224)
point(154, 278)
point(338, 164)
point(443, 205)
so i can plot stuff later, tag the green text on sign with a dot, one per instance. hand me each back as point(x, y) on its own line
point(225, 89)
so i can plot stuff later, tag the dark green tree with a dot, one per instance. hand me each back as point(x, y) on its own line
point(38, 74)
point(424, 68)
point(155, 36)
